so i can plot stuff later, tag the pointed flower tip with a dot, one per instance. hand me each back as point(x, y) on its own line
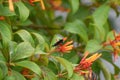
point(93, 58)
point(11, 6)
point(65, 38)
point(86, 54)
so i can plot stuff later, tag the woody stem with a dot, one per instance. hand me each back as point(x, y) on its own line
point(50, 52)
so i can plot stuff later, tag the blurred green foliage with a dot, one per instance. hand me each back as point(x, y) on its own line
point(28, 33)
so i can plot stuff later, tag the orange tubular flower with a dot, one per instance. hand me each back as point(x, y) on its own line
point(115, 45)
point(84, 67)
point(2, 18)
point(11, 6)
point(56, 5)
point(64, 47)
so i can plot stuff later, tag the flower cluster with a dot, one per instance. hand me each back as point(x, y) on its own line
point(64, 47)
point(115, 43)
point(84, 67)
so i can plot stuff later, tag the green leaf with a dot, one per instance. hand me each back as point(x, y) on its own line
point(10, 78)
point(74, 5)
point(25, 23)
point(110, 36)
point(105, 71)
point(15, 76)
point(23, 10)
point(5, 31)
point(1, 74)
point(93, 46)
point(77, 27)
point(40, 39)
point(100, 15)
point(72, 57)
point(23, 50)
point(99, 33)
point(4, 68)
point(77, 77)
point(25, 35)
point(96, 67)
point(38, 50)
point(35, 78)
point(67, 65)
point(116, 69)
point(43, 60)
point(81, 14)
point(30, 65)
point(2, 58)
point(5, 11)
point(107, 56)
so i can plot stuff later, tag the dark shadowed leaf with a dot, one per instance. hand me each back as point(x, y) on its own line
point(72, 57)
point(105, 71)
point(107, 56)
point(30, 65)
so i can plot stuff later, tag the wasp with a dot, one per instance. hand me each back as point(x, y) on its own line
point(61, 41)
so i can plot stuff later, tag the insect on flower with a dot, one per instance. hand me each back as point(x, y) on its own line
point(59, 42)
point(61, 46)
point(84, 67)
